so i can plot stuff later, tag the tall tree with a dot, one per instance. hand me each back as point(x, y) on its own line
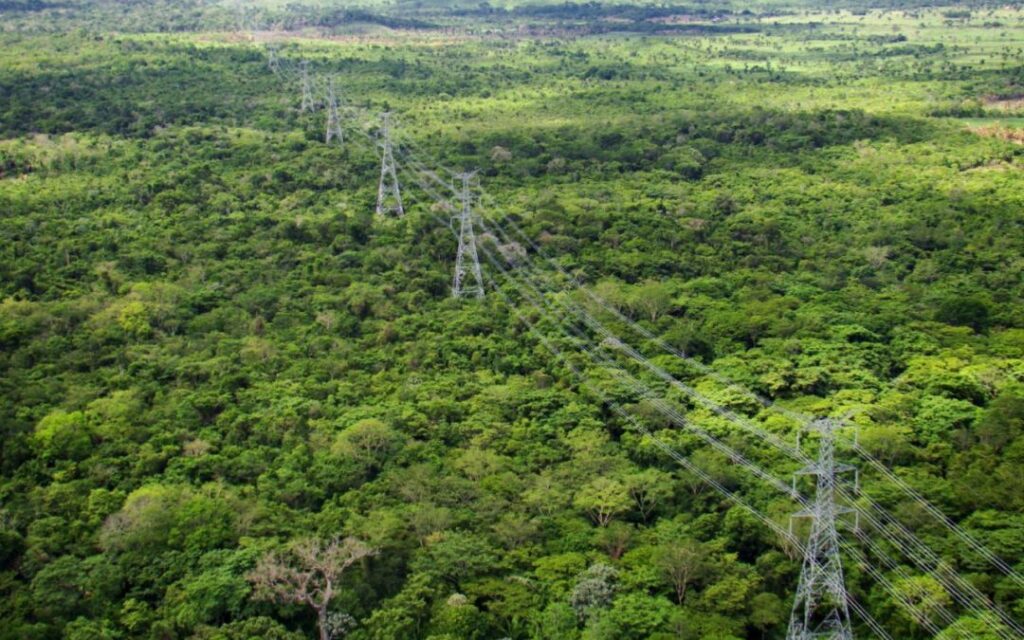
point(682, 563)
point(308, 575)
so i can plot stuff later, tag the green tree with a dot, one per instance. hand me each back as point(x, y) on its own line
point(368, 442)
point(456, 557)
point(966, 312)
point(767, 610)
point(63, 435)
point(649, 489)
point(968, 628)
point(682, 563)
point(924, 595)
point(603, 499)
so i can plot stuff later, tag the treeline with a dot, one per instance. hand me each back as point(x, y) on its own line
point(299, 16)
point(30, 5)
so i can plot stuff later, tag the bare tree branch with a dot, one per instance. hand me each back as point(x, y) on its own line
point(308, 574)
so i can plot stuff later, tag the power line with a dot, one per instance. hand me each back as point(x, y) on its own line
point(800, 418)
point(720, 378)
point(917, 552)
point(909, 544)
point(682, 460)
point(537, 303)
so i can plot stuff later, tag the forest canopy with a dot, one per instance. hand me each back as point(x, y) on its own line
point(237, 403)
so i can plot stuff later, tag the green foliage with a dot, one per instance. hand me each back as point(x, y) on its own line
point(212, 595)
point(457, 618)
point(457, 557)
point(210, 347)
point(967, 312)
point(62, 435)
point(368, 442)
point(254, 627)
point(925, 595)
point(595, 588)
point(603, 499)
point(159, 517)
point(972, 628)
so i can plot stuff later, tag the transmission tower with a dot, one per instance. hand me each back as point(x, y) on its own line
point(387, 188)
point(307, 88)
point(273, 62)
point(820, 610)
point(333, 121)
point(467, 249)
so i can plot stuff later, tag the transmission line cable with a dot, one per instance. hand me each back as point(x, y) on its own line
point(633, 353)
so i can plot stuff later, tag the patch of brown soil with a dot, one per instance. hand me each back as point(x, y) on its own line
point(1004, 103)
point(1001, 132)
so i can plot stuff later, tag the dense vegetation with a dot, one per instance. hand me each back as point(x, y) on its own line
point(215, 361)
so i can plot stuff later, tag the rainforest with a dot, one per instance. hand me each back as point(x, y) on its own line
point(423, 320)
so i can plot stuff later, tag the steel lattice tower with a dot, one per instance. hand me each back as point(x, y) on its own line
point(307, 88)
point(467, 249)
point(388, 188)
point(820, 609)
point(333, 121)
point(273, 63)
